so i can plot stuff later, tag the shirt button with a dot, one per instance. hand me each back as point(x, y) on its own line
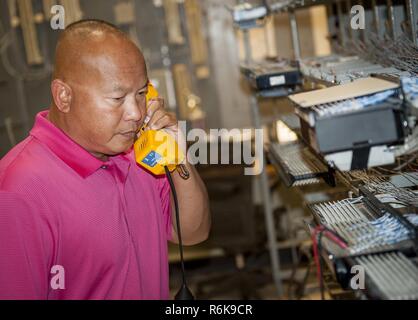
point(104, 167)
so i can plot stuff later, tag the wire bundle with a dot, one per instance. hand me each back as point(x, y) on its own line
point(345, 68)
point(404, 195)
point(386, 230)
point(366, 177)
point(351, 105)
point(400, 53)
point(363, 232)
point(410, 89)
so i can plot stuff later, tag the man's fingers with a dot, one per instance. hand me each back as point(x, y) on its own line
point(161, 121)
point(157, 115)
point(154, 104)
point(152, 107)
point(157, 118)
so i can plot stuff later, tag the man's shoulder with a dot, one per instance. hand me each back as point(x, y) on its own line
point(22, 164)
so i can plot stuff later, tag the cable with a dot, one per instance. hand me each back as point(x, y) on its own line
point(315, 252)
point(317, 257)
point(317, 235)
point(333, 236)
point(321, 265)
point(184, 292)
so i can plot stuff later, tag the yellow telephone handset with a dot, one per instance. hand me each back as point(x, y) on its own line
point(155, 149)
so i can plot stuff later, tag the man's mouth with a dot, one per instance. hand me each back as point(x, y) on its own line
point(129, 134)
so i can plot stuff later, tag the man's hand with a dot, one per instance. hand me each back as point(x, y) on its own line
point(160, 119)
point(192, 195)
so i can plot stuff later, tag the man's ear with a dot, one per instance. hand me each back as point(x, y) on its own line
point(62, 95)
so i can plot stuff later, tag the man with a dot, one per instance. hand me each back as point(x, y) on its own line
point(79, 219)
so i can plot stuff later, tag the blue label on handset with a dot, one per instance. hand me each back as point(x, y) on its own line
point(152, 159)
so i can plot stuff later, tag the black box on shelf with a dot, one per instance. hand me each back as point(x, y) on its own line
point(382, 124)
point(270, 75)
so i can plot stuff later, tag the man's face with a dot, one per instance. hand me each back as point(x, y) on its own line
point(108, 103)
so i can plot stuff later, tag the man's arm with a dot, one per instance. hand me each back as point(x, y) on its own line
point(191, 193)
point(193, 203)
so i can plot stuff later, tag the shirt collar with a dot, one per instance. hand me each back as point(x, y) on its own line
point(74, 155)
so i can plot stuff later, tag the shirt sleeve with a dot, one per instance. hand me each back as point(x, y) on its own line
point(165, 191)
point(25, 250)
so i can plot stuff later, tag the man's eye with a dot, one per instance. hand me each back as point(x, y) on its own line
point(118, 98)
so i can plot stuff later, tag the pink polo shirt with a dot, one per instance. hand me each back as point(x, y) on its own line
point(102, 227)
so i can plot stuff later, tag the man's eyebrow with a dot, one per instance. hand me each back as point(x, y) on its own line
point(118, 88)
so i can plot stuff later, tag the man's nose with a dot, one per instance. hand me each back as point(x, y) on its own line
point(135, 110)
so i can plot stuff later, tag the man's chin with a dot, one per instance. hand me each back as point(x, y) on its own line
point(126, 148)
